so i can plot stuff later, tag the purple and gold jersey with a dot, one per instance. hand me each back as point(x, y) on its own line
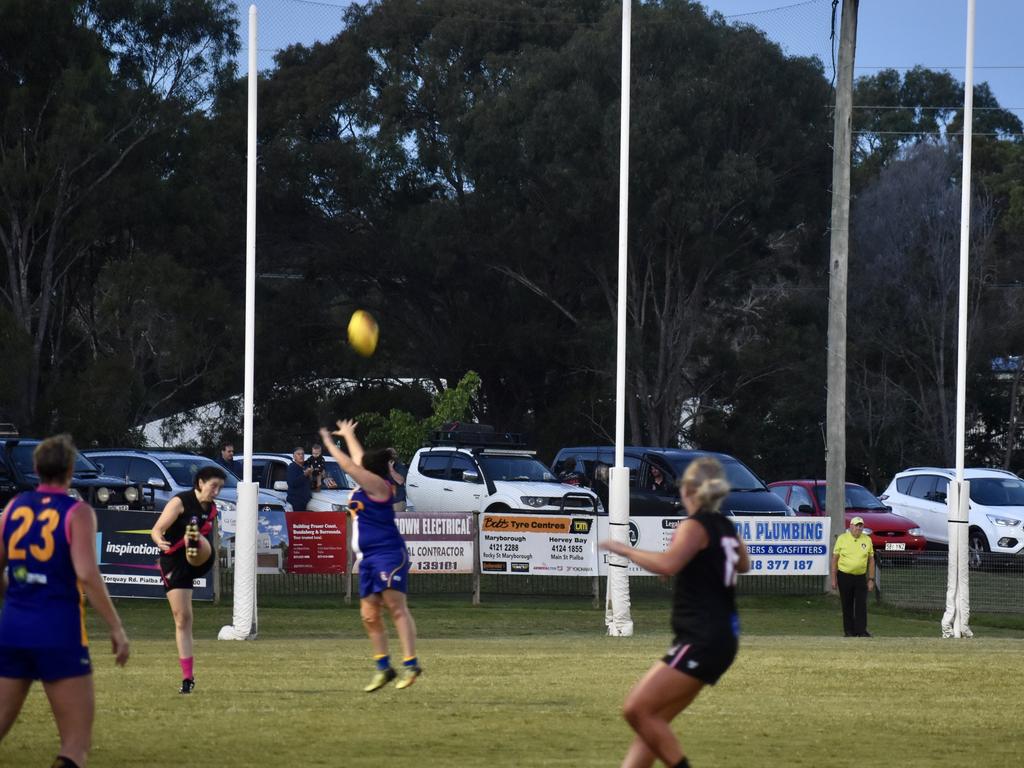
point(373, 524)
point(43, 606)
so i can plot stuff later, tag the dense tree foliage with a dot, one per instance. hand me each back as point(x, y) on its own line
point(452, 165)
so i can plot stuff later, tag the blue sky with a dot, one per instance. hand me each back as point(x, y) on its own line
point(903, 34)
point(890, 33)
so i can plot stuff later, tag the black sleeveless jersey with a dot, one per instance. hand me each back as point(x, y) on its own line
point(192, 508)
point(704, 598)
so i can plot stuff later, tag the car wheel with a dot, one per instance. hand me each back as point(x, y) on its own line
point(498, 509)
point(977, 549)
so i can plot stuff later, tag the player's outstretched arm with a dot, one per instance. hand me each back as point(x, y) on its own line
point(83, 557)
point(375, 485)
point(690, 539)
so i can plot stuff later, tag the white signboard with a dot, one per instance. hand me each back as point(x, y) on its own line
point(786, 546)
point(438, 542)
point(551, 545)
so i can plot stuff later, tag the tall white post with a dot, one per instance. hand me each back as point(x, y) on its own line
point(617, 607)
point(955, 618)
point(244, 610)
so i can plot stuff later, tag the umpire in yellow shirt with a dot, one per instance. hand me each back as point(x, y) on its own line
point(853, 558)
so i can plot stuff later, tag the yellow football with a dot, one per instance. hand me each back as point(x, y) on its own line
point(362, 332)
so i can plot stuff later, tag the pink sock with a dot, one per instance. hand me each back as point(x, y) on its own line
point(186, 667)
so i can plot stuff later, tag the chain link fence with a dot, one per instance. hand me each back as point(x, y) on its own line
point(919, 581)
point(302, 585)
point(904, 581)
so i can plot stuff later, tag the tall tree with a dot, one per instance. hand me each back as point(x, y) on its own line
point(85, 86)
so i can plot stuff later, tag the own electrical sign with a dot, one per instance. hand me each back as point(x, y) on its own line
point(438, 542)
point(553, 545)
point(777, 546)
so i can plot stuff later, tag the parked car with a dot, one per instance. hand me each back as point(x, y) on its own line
point(471, 468)
point(889, 532)
point(164, 474)
point(995, 510)
point(270, 470)
point(88, 483)
point(749, 495)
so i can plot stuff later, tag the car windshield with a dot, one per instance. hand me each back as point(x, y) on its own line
point(183, 469)
point(857, 497)
point(337, 474)
point(514, 468)
point(740, 478)
point(998, 491)
point(22, 456)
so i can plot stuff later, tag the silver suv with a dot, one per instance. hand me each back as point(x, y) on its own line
point(165, 474)
point(995, 511)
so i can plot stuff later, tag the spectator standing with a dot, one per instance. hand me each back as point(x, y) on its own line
point(853, 558)
point(318, 464)
point(398, 471)
point(228, 461)
point(300, 490)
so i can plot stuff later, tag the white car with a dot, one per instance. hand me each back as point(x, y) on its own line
point(996, 509)
point(270, 470)
point(460, 478)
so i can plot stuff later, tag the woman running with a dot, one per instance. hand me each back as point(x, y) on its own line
point(705, 555)
point(381, 553)
point(186, 554)
point(48, 550)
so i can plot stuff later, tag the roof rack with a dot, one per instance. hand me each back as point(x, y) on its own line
point(8, 430)
point(473, 435)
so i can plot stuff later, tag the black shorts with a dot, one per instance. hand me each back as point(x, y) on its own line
point(703, 660)
point(178, 573)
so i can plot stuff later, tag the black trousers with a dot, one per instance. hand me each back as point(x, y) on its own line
point(853, 594)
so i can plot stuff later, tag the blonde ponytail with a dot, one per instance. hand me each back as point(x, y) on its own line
point(706, 479)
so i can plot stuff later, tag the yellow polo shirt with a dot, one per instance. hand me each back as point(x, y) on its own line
point(853, 553)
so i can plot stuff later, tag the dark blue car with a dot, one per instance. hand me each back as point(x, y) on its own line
point(749, 495)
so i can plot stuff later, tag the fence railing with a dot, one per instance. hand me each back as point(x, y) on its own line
point(907, 581)
point(996, 581)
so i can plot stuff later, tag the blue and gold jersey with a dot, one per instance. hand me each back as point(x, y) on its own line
point(43, 606)
point(373, 524)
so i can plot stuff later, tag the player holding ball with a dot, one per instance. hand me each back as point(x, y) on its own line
point(186, 554)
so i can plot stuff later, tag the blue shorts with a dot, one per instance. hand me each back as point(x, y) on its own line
point(384, 570)
point(46, 664)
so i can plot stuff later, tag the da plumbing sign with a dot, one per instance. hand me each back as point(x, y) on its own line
point(778, 547)
point(551, 545)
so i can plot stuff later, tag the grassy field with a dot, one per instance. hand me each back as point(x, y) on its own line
point(536, 683)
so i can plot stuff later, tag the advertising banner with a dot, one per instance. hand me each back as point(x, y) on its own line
point(128, 556)
point(316, 542)
point(552, 545)
point(778, 546)
point(787, 546)
point(438, 542)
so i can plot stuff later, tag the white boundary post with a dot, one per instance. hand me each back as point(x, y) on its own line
point(955, 619)
point(244, 622)
point(617, 604)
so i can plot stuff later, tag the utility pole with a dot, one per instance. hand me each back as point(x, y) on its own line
point(842, 150)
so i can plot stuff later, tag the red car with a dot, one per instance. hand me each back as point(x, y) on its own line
point(889, 532)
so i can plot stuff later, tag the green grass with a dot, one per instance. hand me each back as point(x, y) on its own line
point(534, 682)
